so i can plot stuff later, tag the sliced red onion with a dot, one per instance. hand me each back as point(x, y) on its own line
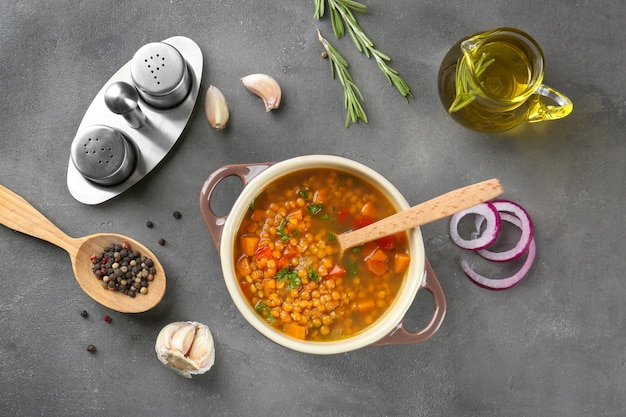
point(504, 283)
point(525, 225)
point(484, 212)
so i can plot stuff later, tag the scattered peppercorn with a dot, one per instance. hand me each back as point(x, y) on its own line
point(149, 224)
point(324, 55)
point(177, 215)
point(84, 314)
point(161, 241)
point(107, 319)
point(91, 348)
point(122, 269)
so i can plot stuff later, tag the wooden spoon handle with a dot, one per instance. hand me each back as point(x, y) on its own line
point(429, 211)
point(17, 214)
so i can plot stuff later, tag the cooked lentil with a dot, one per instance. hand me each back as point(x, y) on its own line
point(287, 257)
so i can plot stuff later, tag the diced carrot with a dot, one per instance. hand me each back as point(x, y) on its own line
point(365, 304)
point(377, 255)
point(249, 244)
point(336, 271)
point(401, 262)
point(369, 210)
point(376, 267)
point(294, 330)
point(243, 266)
point(368, 248)
point(320, 196)
point(257, 215)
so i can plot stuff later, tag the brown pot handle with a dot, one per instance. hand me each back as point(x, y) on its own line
point(245, 172)
point(400, 335)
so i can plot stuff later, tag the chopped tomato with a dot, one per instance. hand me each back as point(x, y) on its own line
point(283, 262)
point(336, 271)
point(343, 215)
point(386, 243)
point(362, 222)
point(263, 252)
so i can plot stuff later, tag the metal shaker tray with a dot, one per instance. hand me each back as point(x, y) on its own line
point(153, 140)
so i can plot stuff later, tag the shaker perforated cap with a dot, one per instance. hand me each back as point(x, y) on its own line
point(160, 74)
point(103, 155)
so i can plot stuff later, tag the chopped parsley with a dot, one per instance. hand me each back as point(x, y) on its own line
point(304, 194)
point(357, 250)
point(264, 311)
point(330, 236)
point(353, 268)
point(313, 275)
point(280, 230)
point(291, 276)
point(315, 208)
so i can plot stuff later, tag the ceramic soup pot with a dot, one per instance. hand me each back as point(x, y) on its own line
point(387, 329)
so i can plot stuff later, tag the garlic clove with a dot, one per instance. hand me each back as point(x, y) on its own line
point(186, 347)
point(202, 352)
point(215, 108)
point(265, 87)
point(183, 338)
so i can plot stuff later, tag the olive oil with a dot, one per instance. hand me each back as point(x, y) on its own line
point(492, 82)
point(508, 76)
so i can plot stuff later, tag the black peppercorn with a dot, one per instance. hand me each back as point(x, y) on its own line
point(177, 215)
point(91, 348)
point(161, 241)
point(84, 313)
point(149, 224)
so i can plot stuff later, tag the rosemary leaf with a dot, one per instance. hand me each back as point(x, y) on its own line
point(352, 94)
point(343, 10)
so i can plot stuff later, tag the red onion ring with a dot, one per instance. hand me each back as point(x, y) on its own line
point(525, 225)
point(504, 283)
point(484, 212)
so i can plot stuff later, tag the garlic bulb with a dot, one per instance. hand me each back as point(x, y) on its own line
point(265, 87)
point(215, 108)
point(186, 347)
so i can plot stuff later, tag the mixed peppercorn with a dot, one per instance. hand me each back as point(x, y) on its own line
point(122, 269)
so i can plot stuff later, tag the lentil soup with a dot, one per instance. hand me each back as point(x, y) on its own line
point(287, 261)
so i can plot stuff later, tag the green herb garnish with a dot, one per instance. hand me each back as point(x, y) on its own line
point(463, 97)
point(325, 216)
point(356, 250)
point(313, 275)
point(315, 208)
point(280, 230)
point(330, 236)
point(289, 275)
point(304, 194)
point(353, 268)
point(265, 311)
point(252, 204)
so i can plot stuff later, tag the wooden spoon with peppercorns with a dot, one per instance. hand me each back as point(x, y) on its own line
point(17, 214)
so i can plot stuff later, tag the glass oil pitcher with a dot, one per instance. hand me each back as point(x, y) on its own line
point(493, 81)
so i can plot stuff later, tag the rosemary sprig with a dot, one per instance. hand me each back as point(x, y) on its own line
point(351, 93)
point(463, 98)
point(342, 18)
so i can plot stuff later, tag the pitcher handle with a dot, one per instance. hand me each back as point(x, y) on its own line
point(245, 172)
point(400, 335)
point(540, 111)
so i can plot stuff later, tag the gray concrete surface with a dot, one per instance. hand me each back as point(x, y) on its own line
point(555, 345)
